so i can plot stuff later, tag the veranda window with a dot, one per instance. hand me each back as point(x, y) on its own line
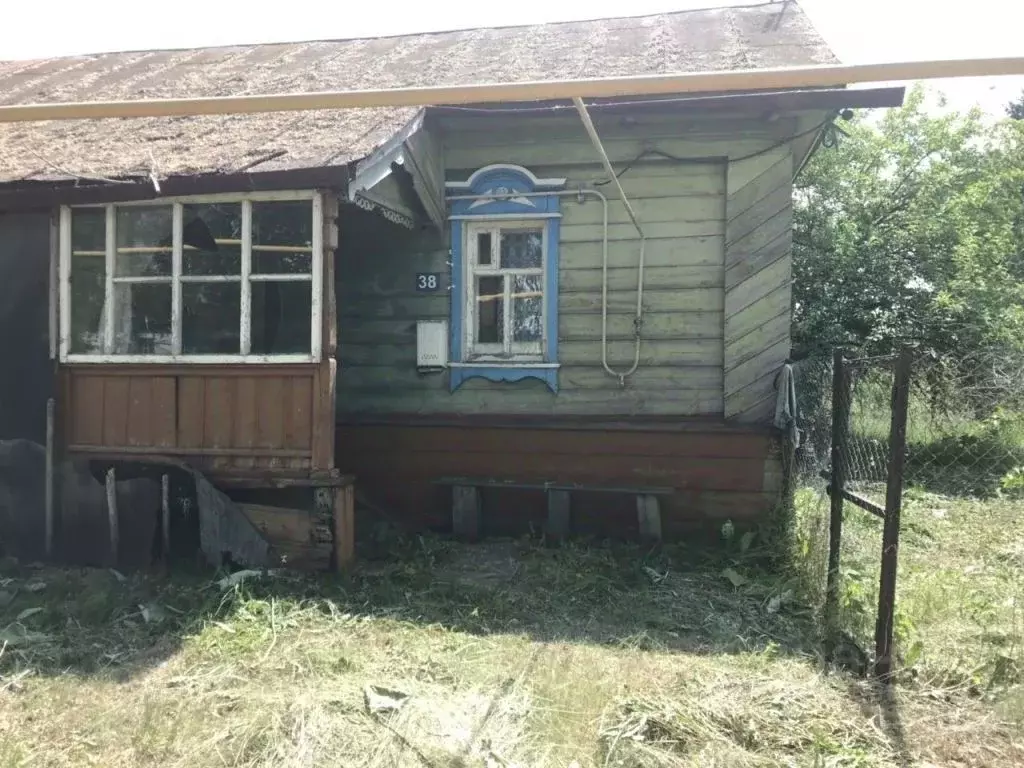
point(215, 279)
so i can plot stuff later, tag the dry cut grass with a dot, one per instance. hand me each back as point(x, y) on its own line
point(499, 654)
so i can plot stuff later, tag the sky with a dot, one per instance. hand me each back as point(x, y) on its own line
point(858, 31)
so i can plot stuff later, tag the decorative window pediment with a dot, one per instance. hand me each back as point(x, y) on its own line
point(495, 188)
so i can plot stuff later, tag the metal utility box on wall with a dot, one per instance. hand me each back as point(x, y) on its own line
point(431, 344)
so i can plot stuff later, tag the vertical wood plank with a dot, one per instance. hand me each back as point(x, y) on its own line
point(218, 428)
point(274, 406)
point(115, 410)
point(246, 424)
point(323, 416)
point(162, 416)
point(86, 409)
point(165, 518)
point(247, 417)
point(558, 514)
point(48, 489)
point(191, 405)
point(113, 524)
point(466, 512)
point(885, 623)
point(299, 421)
point(140, 409)
point(344, 526)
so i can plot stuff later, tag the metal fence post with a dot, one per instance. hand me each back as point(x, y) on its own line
point(893, 505)
point(837, 481)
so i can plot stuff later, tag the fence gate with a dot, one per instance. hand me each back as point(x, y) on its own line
point(867, 469)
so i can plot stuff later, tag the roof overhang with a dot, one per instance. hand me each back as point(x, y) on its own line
point(737, 80)
point(44, 194)
point(404, 178)
point(709, 103)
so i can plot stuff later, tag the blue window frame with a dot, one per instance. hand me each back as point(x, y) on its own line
point(504, 303)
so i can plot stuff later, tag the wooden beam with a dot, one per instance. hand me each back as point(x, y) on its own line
point(165, 518)
point(31, 195)
point(113, 525)
point(344, 526)
point(559, 511)
point(48, 490)
point(703, 103)
point(826, 75)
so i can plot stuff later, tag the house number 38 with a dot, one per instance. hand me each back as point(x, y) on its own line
point(427, 281)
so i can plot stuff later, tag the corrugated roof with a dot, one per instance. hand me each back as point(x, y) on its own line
point(769, 35)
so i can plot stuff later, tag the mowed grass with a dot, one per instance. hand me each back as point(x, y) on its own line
point(504, 653)
point(960, 585)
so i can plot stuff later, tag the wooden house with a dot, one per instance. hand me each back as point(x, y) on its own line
point(456, 306)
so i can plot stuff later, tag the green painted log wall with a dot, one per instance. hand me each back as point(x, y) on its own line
point(712, 327)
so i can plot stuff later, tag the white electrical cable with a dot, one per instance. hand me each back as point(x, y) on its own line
point(595, 139)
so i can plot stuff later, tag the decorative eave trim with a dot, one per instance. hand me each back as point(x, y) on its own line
point(362, 200)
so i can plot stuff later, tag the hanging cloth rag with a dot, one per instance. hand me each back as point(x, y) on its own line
point(785, 404)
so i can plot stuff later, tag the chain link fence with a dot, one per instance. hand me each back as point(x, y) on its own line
point(965, 427)
point(964, 443)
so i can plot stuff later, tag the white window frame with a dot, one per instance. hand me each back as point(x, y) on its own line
point(509, 350)
point(176, 279)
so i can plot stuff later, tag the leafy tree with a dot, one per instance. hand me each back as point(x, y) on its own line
point(912, 229)
point(1015, 109)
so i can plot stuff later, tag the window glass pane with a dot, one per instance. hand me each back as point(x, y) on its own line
point(281, 318)
point(212, 239)
point(527, 307)
point(483, 249)
point(490, 310)
point(142, 318)
point(143, 241)
point(521, 249)
point(88, 279)
point(210, 315)
point(282, 237)
point(279, 263)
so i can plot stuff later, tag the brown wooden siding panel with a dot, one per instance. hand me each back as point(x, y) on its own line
point(717, 475)
point(226, 419)
point(86, 410)
point(554, 442)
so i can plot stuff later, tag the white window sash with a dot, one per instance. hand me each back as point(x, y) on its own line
point(176, 279)
point(508, 349)
point(177, 235)
point(109, 314)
